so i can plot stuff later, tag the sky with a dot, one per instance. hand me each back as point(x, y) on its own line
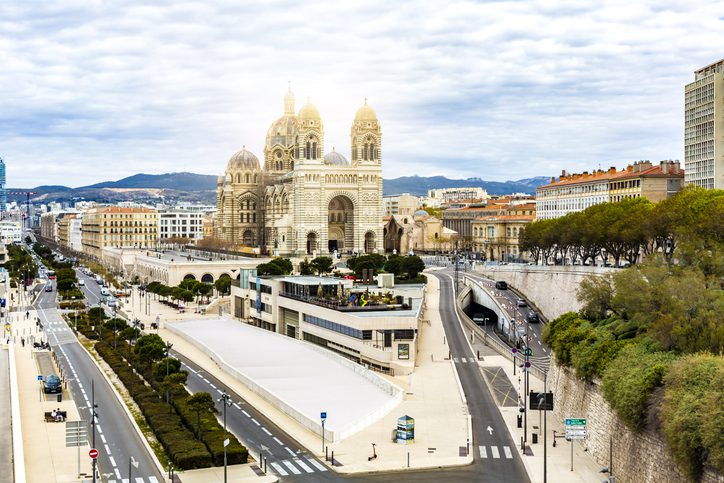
point(99, 90)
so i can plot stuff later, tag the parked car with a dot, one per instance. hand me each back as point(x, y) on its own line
point(500, 285)
point(533, 318)
point(52, 384)
point(521, 303)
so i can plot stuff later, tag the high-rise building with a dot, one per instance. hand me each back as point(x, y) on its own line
point(3, 190)
point(704, 127)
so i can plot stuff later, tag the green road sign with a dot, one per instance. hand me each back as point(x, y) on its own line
point(575, 422)
point(529, 352)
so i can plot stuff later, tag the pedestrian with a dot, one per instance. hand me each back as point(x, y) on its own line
point(27, 314)
point(53, 414)
point(22, 341)
point(58, 416)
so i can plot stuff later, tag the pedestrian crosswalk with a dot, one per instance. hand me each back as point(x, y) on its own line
point(464, 360)
point(148, 479)
point(297, 466)
point(495, 452)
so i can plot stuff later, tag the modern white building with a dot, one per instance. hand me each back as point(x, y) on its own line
point(10, 232)
point(446, 195)
point(404, 204)
point(181, 223)
point(377, 328)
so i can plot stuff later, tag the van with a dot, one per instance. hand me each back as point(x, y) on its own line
point(500, 285)
point(105, 291)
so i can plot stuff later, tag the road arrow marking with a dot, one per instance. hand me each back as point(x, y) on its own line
point(489, 430)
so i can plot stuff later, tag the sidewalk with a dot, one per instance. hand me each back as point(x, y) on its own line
point(585, 469)
point(432, 397)
point(47, 459)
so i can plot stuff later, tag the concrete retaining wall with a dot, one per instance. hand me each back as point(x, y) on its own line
point(637, 457)
point(551, 288)
point(18, 451)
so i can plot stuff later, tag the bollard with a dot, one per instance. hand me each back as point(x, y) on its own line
point(326, 453)
point(408, 459)
point(332, 457)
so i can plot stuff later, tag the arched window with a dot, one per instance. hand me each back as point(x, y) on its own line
point(372, 151)
point(364, 152)
point(314, 150)
point(308, 150)
point(247, 178)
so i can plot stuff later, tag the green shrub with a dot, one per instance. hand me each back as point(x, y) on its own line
point(692, 414)
point(629, 380)
point(564, 333)
point(591, 356)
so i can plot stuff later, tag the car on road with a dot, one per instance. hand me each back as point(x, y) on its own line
point(501, 285)
point(49, 288)
point(521, 303)
point(81, 282)
point(533, 318)
point(52, 384)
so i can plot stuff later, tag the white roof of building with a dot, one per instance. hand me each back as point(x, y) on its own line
point(307, 378)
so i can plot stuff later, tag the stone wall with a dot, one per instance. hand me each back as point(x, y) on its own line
point(637, 457)
point(552, 289)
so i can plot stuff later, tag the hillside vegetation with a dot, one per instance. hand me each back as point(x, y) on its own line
point(653, 334)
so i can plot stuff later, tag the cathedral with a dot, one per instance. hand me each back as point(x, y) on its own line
point(304, 202)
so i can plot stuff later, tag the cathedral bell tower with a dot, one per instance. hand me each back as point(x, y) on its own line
point(366, 136)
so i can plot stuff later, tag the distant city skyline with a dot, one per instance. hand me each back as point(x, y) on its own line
point(501, 91)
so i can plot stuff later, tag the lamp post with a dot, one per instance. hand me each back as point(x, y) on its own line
point(225, 400)
point(168, 353)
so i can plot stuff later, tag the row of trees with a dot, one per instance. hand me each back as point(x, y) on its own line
point(407, 267)
point(688, 225)
point(20, 264)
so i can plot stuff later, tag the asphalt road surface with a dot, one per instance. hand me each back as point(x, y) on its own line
point(116, 439)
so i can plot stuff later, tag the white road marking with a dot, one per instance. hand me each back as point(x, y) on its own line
point(483, 452)
point(304, 466)
point(544, 349)
point(455, 359)
point(108, 450)
point(291, 467)
point(278, 441)
point(290, 451)
point(464, 360)
point(245, 413)
point(316, 464)
point(212, 384)
point(118, 473)
point(266, 430)
point(496, 453)
point(279, 469)
point(139, 480)
point(153, 479)
point(507, 452)
point(236, 406)
point(255, 422)
point(113, 462)
point(103, 438)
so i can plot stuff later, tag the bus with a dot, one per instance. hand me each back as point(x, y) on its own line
point(51, 275)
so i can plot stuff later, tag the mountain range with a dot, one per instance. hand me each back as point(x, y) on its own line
point(201, 188)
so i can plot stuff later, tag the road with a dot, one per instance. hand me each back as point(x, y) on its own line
point(116, 439)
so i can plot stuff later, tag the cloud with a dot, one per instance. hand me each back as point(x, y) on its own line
point(501, 90)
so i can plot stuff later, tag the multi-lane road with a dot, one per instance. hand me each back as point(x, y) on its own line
point(117, 441)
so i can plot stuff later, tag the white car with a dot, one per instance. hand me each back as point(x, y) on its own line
point(81, 282)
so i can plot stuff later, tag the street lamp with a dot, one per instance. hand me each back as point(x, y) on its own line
point(168, 353)
point(225, 400)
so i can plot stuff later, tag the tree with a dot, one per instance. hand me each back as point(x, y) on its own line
point(205, 289)
point(413, 265)
point(150, 348)
point(201, 402)
point(268, 269)
point(223, 284)
point(285, 264)
point(596, 294)
point(322, 264)
point(394, 265)
point(305, 267)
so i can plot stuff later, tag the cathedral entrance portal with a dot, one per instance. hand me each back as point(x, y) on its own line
point(311, 243)
point(341, 224)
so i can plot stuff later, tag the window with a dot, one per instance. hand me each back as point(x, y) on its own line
point(334, 326)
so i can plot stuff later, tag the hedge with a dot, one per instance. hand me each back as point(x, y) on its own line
point(179, 443)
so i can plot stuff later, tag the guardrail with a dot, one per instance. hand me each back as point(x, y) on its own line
point(493, 342)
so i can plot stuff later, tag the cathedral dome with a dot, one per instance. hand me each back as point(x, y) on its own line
point(365, 113)
point(243, 160)
point(421, 214)
point(336, 159)
point(309, 111)
point(282, 131)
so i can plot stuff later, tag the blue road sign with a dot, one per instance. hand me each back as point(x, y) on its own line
point(40, 378)
point(323, 415)
point(514, 350)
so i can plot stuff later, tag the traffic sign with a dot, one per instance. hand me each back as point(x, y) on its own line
point(40, 378)
point(323, 415)
point(527, 364)
point(514, 350)
point(529, 351)
point(575, 422)
point(93, 453)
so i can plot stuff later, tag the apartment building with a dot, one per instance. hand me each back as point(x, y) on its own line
point(181, 223)
point(704, 127)
point(447, 195)
point(374, 327)
point(69, 231)
point(118, 227)
point(460, 219)
point(404, 204)
point(576, 192)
